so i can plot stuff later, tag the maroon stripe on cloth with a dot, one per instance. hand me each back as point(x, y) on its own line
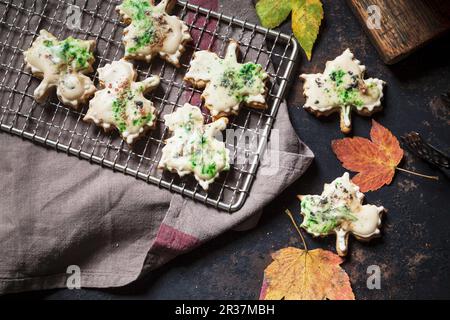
point(172, 241)
point(204, 40)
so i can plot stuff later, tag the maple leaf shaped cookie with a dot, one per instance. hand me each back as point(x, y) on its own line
point(62, 64)
point(193, 147)
point(340, 210)
point(342, 88)
point(152, 31)
point(121, 102)
point(227, 83)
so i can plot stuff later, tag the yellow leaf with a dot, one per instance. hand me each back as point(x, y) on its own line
point(307, 16)
point(272, 13)
point(297, 274)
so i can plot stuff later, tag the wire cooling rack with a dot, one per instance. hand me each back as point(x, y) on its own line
point(59, 127)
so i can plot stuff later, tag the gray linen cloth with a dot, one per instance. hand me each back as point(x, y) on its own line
point(57, 211)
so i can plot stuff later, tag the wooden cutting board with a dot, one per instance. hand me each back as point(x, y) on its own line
point(405, 25)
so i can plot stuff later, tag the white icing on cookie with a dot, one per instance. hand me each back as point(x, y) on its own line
point(121, 102)
point(342, 88)
point(62, 64)
point(340, 210)
point(193, 147)
point(152, 31)
point(227, 83)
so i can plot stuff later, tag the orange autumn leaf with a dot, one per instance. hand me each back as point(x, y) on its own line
point(375, 160)
point(297, 274)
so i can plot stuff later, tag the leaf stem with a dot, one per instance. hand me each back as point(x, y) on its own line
point(418, 174)
point(297, 228)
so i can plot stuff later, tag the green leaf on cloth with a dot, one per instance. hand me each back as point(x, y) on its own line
point(307, 16)
point(272, 13)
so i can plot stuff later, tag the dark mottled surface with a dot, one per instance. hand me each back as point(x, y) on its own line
point(413, 253)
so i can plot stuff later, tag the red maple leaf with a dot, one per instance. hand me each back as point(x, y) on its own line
point(375, 160)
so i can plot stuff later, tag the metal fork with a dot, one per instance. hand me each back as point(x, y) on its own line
point(427, 152)
point(446, 98)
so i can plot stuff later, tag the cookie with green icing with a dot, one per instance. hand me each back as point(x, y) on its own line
point(193, 147)
point(151, 31)
point(62, 64)
point(121, 103)
point(226, 82)
point(342, 88)
point(339, 210)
